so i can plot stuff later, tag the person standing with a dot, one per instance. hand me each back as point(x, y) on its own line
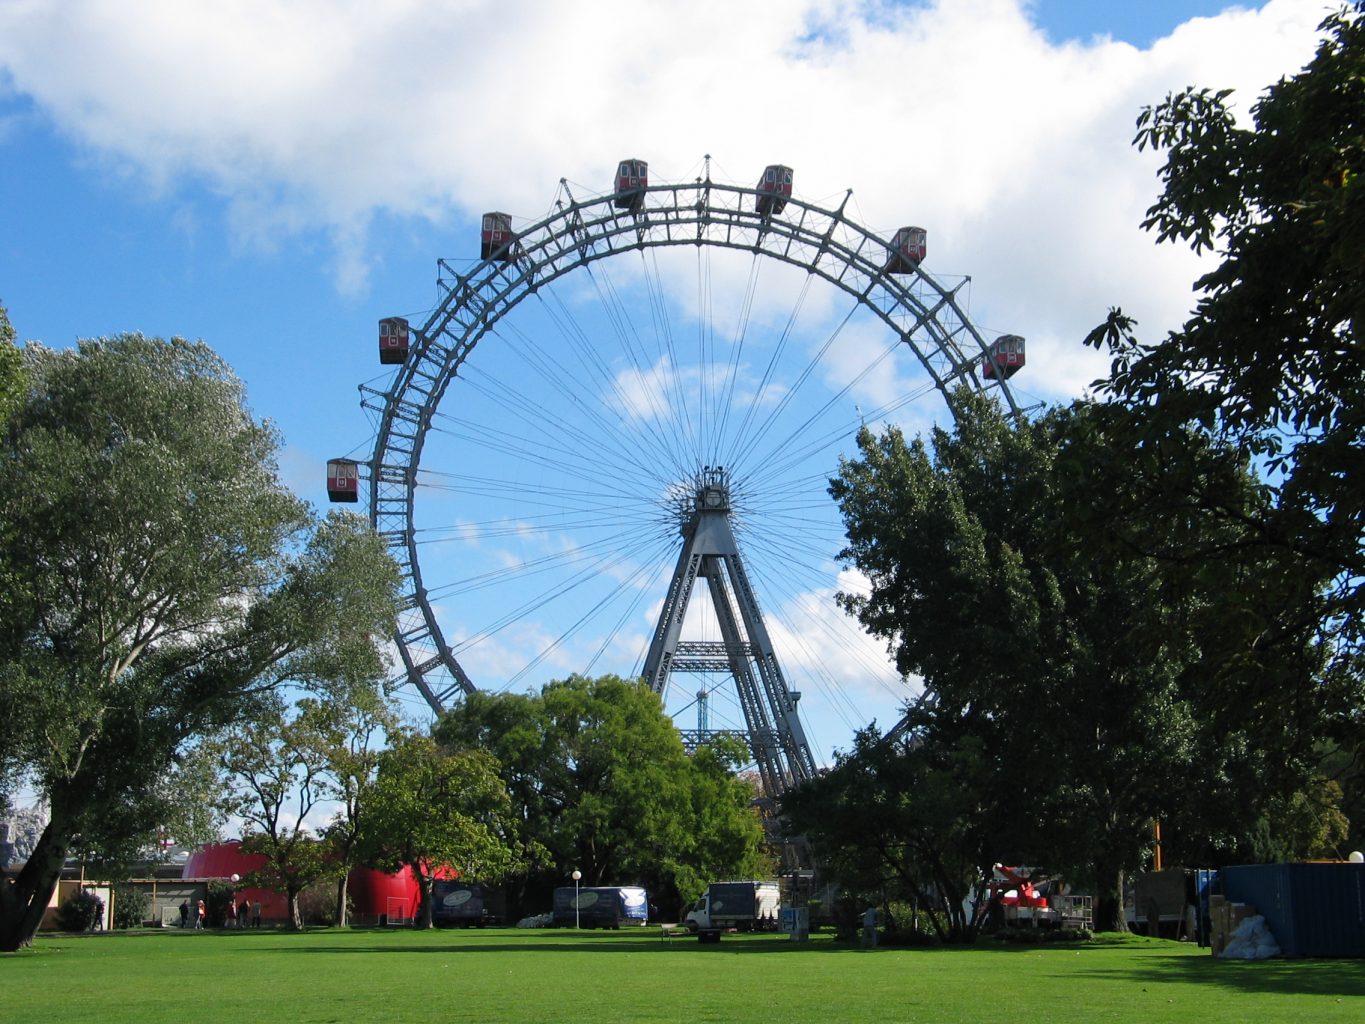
point(243, 907)
point(203, 912)
point(870, 927)
point(184, 913)
point(256, 913)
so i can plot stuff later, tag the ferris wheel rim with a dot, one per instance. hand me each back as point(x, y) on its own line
point(824, 242)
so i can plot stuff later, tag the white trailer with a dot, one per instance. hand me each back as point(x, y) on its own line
point(743, 906)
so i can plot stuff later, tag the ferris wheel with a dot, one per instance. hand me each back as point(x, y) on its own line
point(638, 399)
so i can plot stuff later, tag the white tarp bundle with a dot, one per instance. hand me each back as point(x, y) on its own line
point(1251, 941)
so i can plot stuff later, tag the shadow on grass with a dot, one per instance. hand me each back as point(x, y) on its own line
point(1342, 978)
point(648, 940)
point(544, 941)
point(640, 945)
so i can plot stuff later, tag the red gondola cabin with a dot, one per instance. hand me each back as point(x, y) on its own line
point(908, 250)
point(343, 480)
point(496, 240)
point(393, 340)
point(632, 178)
point(1005, 357)
point(774, 189)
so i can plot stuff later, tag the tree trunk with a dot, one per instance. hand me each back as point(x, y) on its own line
point(24, 898)
point(424, 884)
point(1108, 915)
point(342, 921)
point(295, 918)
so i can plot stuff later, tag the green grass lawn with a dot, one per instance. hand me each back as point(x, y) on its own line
point(561, 977)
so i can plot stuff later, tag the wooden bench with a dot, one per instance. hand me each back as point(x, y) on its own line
point(669, 932)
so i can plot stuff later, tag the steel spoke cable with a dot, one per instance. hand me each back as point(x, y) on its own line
point(545, 525)
point(604, 496)
point(644, 368)
point(703, 315)
point(526, 569)
point(551, 454)
point(530, 456)
point(513, 398)
point(849, 427)
point(664, 332)
point(573, 629)
point(741, 330)
point(792, 455)
point(556, 561)
point(619, 318)
point(648, 588)
point(790, 395)
point(588, 451)
point(585, 460)
point(836, 693)
point(796, 456)
point(559, 377)
point(878, 665)
point(760, 393)
point(578, 341)
point(586, 574)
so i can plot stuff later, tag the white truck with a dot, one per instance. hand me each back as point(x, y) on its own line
point(743, 906)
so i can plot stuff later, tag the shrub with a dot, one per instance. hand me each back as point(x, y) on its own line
point(132, 906)
point(220, 894)
point(318, 904)
point(80, 912)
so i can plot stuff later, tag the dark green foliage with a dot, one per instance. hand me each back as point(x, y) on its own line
point(132, 906)
point(80, 912)
point(11, 369)
point(220, 895)
point(1077, 686)
point(905, 821)
point(433, 809)
point(1273, 358)
point(318, 906)
point(599, 781)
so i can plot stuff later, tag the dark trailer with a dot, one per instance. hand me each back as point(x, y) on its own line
point(600, 906)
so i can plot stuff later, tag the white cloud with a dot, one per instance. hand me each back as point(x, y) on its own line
point(958, 115)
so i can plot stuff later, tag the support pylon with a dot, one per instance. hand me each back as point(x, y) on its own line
point(745, 652)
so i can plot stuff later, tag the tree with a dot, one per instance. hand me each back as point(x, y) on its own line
point(1273, 357)
point(436, 811)
point(165, 580)
point(289, 763)
point(11, 369)
point(275, 771)
point(355, 728)
point(600, 782)
point(725, 832)
point(11, 393)
point(1098, 681)
point(902, 819)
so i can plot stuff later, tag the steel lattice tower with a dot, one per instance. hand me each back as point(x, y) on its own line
point(745, 651)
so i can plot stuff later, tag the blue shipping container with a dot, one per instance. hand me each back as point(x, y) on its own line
point(1311, 909)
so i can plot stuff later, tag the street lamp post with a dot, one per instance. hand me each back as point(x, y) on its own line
point(575, 876)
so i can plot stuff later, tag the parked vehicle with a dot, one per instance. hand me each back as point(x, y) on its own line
point(465, 905)
point(743, 906)
point(608, 906)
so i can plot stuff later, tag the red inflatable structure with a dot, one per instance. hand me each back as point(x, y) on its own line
point(223, 860)
point(376, 896)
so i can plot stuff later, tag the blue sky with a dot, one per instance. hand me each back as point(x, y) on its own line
point(274, 181)
point(1138, 23)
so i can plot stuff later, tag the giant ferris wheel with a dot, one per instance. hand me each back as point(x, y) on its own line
point(607, 444)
